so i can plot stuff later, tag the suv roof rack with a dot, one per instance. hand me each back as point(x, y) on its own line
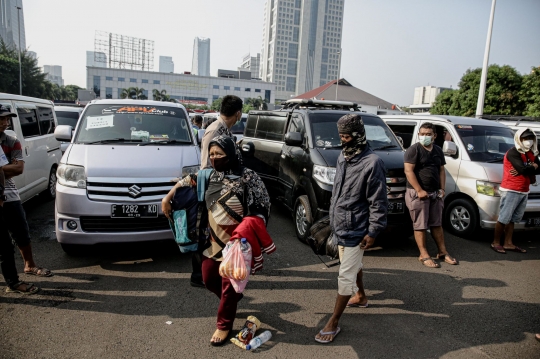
point(322, 104)
point(518, 119)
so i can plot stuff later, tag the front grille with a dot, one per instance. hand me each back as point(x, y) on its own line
point(114, 192)
point(535, 195)
point(396, 187)
point(108, 224)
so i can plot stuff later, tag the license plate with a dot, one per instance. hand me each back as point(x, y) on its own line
point(395, 207)
point(134, 210)
point(533, 222)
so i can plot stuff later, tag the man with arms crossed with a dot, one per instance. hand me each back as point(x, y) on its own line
point(358, 212)
point(424, 168)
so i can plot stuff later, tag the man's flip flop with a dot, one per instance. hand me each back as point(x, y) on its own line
point(334, 335)
point(356, 305)
point(516, 249)
point(498, 249)
point(39, 271)
point(447, 259)
point(424, 260)
point(30, 289)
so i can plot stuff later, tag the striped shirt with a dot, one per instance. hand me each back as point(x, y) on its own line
point(13, 150)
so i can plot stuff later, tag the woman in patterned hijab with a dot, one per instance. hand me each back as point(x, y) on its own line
point(351, 125)
point(232, 192)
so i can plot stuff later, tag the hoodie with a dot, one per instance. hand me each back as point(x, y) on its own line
point(520, 159)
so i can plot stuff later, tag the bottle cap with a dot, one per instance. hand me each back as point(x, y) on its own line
point(243, 240)
point(248, 347)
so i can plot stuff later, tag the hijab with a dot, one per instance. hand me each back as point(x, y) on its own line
point(352, 125)
point(232, 163)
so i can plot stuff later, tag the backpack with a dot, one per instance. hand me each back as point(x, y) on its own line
point(185, 207)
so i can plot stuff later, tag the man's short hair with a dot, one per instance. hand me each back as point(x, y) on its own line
point(230, 105)
point(427, 126)
point(197, 119)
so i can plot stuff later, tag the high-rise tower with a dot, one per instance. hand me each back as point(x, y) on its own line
point(201, 57)
point(9, 23)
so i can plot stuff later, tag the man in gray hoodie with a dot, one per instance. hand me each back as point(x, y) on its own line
point(358, 212)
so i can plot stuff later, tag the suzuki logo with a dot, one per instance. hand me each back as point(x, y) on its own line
point(134, 191)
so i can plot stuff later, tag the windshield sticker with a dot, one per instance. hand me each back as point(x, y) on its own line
point(140, 110)
point(464, 127)
point(99, 122)
point(154, 138)
point(470, 147)
point(320, 143)
point(140, 135)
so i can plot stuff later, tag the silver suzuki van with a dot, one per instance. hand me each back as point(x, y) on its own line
point(123, 159)
point(474, 150)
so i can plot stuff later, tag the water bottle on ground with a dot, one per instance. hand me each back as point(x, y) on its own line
point(259, 340)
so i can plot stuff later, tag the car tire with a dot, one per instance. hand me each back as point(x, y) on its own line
point(303, 219)
point(461, 218)
point(50, 192)
point(73, 250)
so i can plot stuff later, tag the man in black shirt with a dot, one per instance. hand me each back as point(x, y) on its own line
point(426, 178)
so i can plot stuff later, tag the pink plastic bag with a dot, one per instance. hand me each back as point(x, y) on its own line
point(236, 264)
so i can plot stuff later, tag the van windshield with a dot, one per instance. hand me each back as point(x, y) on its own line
point(134, 123)
point(67, 118)
point(326, 135)
point(486, 143)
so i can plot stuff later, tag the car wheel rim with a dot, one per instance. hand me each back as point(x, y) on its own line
point(52, 184)
point(301, 220)
point(460, 218)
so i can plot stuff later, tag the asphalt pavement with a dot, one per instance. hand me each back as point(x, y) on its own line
point(114, 302)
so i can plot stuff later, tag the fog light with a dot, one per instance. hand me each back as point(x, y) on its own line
point(71, 225)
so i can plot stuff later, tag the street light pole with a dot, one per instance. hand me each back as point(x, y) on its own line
point(482, 92)
point(20, 67)
point(339, 69)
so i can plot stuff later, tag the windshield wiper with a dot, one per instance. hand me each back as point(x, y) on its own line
point(497, 159)
point(112, 140)
point(384, 147)
point(161, 142)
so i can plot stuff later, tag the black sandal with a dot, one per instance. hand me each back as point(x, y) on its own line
point(30, 288)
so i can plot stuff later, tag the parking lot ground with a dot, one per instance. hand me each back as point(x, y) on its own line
point(114, 302)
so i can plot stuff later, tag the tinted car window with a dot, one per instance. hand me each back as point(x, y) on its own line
point(271, 127)
point(486, 143)
point(67, 118)
point(251, 125)
point(325, 133)
point(140, 123)
point(46, 120)
point(297, 124)
point(28, 120)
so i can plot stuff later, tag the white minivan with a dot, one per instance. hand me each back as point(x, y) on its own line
point(67, 115)
point(474, 150)
point(124, 157)
point(34, 128)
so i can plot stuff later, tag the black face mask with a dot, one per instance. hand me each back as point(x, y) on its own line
point(220, 164)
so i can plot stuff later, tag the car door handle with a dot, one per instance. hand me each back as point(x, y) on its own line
point(26, 150)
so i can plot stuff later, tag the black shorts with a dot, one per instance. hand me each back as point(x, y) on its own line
point(15, 218)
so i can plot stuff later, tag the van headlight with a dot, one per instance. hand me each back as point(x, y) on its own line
point(71, 176)
point(190, 170)
point(488, 188)
point(324, 174)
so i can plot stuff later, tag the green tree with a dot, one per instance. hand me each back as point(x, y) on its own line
point(444, 102)
point(72, 92)
point(257, 103)
point(530, 93)
point(246, 108)
point(216, 104)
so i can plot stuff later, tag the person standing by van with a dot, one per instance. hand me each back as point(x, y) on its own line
point(520, 167)
point(7, 259)
point(14, 214)
point(426, 178)
point(358, 213)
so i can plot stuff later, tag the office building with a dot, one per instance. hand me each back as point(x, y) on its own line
point(9, 23)
point(96, 59)
point(32, 54)
point(201, 57)
point(166, 64)
point(252, 64)
point(424, 97)
point(187, 89)
point(53, 74)
point(301, 44)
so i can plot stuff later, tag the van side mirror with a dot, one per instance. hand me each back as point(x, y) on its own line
point(200, 134)
point(449, 148)
point(293, 139)
point(63, 133)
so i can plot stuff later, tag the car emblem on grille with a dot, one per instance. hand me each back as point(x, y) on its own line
point(134, 191)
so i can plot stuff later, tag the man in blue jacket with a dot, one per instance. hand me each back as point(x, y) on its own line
point(357, 213)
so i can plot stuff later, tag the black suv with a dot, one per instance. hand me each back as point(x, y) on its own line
point(295, 151)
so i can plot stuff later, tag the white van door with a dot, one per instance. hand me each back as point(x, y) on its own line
point(15, 130)
point(452, 163)
point(34, 150)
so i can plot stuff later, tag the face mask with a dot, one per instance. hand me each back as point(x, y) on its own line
point(425, 140)
point(527, 144)
point(220, 164)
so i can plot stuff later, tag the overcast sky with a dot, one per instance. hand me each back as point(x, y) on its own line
point(389, 46)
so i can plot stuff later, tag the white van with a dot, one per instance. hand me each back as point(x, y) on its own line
point(124, 158)
point(69, 116)
point(34, 128)
point(474, 152)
